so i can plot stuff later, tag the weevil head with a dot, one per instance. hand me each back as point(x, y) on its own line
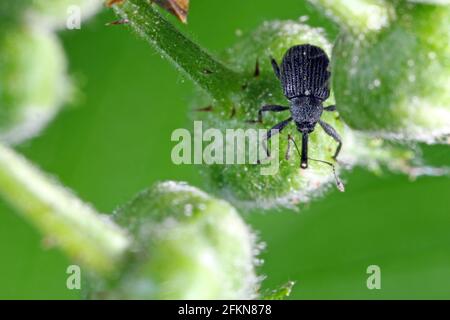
point(306, 112)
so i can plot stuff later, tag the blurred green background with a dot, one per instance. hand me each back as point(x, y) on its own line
point(115, 140)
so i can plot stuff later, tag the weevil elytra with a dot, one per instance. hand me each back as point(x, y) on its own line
point(304, 78)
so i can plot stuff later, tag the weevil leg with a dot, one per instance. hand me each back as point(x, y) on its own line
point(332, 132)
point(275, 67)
point(275, 129)
point(271, 108)
point(330, 108)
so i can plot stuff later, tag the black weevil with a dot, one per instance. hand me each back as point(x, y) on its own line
point(304, 78)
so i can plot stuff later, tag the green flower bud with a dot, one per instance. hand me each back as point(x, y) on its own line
point(188, 246)
point(245, 185)
point(33, 81)
point(55, 13)
point(395, 81)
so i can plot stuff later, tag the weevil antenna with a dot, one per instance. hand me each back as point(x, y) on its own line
point(290, 138)
point(339, 184)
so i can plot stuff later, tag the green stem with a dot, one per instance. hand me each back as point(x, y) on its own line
point(357, 15)
point(86, 236)
point(210, 74)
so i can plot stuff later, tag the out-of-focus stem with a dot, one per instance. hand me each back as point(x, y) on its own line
point(357, 15)
point(85, 235)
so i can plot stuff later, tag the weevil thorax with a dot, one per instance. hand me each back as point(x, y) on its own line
point(306, 112)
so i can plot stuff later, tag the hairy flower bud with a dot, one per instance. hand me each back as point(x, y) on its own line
point(188, 246)
point(33, 81)
point(394, 82)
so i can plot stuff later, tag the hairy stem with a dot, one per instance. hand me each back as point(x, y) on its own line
point(357, 15)
point(86, 236)
point(210, 74)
